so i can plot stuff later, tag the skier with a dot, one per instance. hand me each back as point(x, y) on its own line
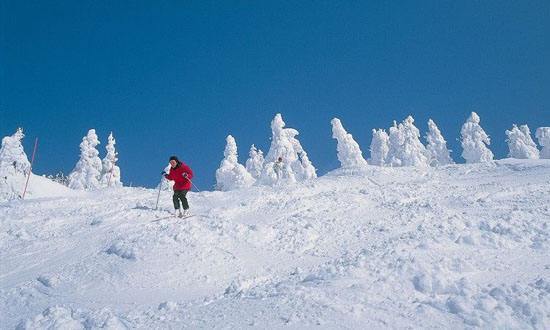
point(278, 167)
point(181, 174)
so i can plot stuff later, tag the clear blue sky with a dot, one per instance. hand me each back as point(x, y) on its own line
point(175, 77)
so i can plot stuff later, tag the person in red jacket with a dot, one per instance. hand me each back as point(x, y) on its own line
point(181, 174)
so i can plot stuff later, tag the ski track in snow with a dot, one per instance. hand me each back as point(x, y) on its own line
point(457, 247)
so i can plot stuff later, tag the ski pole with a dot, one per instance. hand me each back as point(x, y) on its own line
point(30, 169)
point(186, 177)
point(198, 190)
point(158, 195)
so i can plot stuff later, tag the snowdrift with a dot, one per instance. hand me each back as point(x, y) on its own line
point(39, 187)
point(458, 246)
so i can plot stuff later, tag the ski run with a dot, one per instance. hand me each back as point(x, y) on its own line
point(456, 246)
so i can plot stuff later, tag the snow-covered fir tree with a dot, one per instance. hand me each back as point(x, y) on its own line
point(520, 143)
point(87, 171)
point(437, 146)
point(413, 151)
point(13, 159)
point(396, 139)
point(475, 141)
point(295, 164)
point(543, 136)
point(528, 139)
point(349, 153)
point(405, 148)
point(379, 147)
point(59, 177)
point(14, 166)
point(255, 162)
point(110, 173)
point(232, 175)
point(304, 168)
point(166, 185)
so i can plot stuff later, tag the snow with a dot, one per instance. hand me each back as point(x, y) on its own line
point(164, 184)
point(438, 153)
point(110, 172)
point(295, 164)
point(14, 166)
point(543, 136)
point(232, 175)
point(475, 141)
point(39, 187)
point(255, 162)
point(395, 141)
point(458, 246)
point(349, 153)
point(87, 171)
point(12, 155)
point(405, 148)
point(520, 143)
point(413, 152)
point(379, 147)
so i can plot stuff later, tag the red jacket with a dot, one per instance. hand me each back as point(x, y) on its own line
point(176, 175)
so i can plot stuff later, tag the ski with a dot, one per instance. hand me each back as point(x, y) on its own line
point(173, 216)
point(162, 218)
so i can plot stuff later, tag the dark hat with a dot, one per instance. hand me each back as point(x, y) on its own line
point(174, 158)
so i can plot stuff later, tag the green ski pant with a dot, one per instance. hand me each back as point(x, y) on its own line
point(180, 195)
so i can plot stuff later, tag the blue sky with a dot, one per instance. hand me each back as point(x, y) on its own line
point(174, 77)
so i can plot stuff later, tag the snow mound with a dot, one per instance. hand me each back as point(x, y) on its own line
point(59, 317)
point(38, 187)
point(41, 187)
point(123, 250)
point(499, 306)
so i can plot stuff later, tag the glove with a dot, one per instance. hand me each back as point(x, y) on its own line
point(185, 175)
point(163, 173)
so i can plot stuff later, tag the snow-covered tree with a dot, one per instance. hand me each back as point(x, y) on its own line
point(379, 147)
point(437, 146)
point(166, 185)
point(110, 173)
point(475, 141)
point(543, 136)
point(520, 143)
point(59, 177)
point(255, 162)
point(14, 166)
point(304, 169)
point(232, 175)
point(296, 166)
point(87, 171)
point(281, 144)
point(12, 155)
point(405, 146)
point(396, 139)
point(349, 153)
point(414, 152)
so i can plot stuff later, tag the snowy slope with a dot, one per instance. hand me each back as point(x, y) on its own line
point(454, 247)
point(41, 187)
point(38, 187)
